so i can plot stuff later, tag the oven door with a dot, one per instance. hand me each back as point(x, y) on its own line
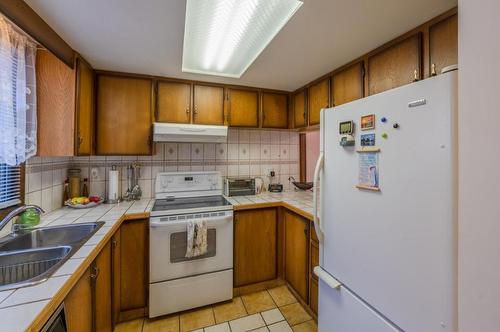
point(168, 243)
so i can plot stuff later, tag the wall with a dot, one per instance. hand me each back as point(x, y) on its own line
point(312, 153)
point(479, 160)
point(246, 153)
point(44, 181)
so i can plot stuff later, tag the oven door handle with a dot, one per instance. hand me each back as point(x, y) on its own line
point(214, 221)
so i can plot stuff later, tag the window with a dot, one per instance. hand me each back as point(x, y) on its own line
point(10, 185)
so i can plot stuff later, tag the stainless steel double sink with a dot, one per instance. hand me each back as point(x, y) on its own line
point(32, 257)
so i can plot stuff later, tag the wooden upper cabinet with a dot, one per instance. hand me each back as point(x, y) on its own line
point(317, 99)
point(299, 109)
point(208, 105)
point(274, 110)
point(443, 44)
point(395, 66)
point(55, 105)
point(296, 253)
point(65, 106)
point(84, 108)
point(243, 108)
point(173, 102)
point(347, 85)
point(124, 115)
point(255, 246)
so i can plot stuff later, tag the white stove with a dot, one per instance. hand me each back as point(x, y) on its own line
point(178, 283)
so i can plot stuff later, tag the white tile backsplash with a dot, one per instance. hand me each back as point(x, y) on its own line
point(247, 152)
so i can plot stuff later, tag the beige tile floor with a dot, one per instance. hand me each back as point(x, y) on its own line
point(274, 310)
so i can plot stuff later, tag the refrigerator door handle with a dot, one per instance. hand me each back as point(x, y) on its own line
point(327, 278)
point(316, 218)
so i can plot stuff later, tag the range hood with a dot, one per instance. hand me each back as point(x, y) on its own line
point(176, 132)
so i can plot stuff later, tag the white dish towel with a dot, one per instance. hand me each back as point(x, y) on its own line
point(196, 238)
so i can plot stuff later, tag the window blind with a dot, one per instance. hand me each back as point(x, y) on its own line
point(10, 185)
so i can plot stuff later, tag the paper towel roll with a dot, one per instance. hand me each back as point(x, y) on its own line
point(113, 188)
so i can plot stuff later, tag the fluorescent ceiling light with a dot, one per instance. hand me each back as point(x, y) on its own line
point(224, 37)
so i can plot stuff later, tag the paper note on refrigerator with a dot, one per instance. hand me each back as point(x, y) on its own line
point(368, 170)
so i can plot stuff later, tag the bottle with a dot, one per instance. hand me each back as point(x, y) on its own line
point(66, 191)
point(85, 188)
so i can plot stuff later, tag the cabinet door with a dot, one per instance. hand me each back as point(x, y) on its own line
point(314, 295)
point(124, 115)
point(174, 102)
point(243, 108)
point(299, 109)
point(130, 270)
point(84, 108)
point(55, 92)
point(274, 110)
point(208, 105)
point(255, 249)
point(395, 66)
point(318, 99)
point(443, 44)
point(78, 305)
point(347, 85)
point(102, 290)
point(296, 253)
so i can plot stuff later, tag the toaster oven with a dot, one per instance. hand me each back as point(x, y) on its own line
point(239, 187)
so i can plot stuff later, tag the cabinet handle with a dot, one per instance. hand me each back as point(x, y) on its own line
point(80, 141)
point(187, 110)
point(95, 274)
point(195, 109)
point(433, 70)
point(415, 75)
point(114, 243)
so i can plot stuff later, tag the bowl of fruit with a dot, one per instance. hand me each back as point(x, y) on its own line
point(83, 202)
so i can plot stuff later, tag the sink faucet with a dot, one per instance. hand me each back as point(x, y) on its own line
point(15, 213)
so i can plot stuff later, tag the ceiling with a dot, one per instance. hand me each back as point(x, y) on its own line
point(146, 36)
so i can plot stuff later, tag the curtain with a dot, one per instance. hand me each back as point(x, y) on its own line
point(17, 96)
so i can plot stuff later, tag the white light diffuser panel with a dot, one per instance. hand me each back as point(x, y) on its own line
point(224, 37)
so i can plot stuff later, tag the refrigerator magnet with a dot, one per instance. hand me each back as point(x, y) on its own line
point(368, 122)
point(367, 139)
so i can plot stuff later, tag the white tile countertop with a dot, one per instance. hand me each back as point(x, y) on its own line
point(20, 307)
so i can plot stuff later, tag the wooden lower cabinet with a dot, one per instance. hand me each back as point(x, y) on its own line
point(78, 305)
point(296, 253)
point(130, 258)
point(102, 290)
point(313, 291)
point(255, 246)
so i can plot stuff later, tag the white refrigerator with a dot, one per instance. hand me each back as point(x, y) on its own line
point(386, 212)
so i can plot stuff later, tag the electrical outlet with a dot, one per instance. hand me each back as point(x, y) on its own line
point(94, 173)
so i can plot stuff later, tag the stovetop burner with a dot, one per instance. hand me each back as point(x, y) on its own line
point(185, 203)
